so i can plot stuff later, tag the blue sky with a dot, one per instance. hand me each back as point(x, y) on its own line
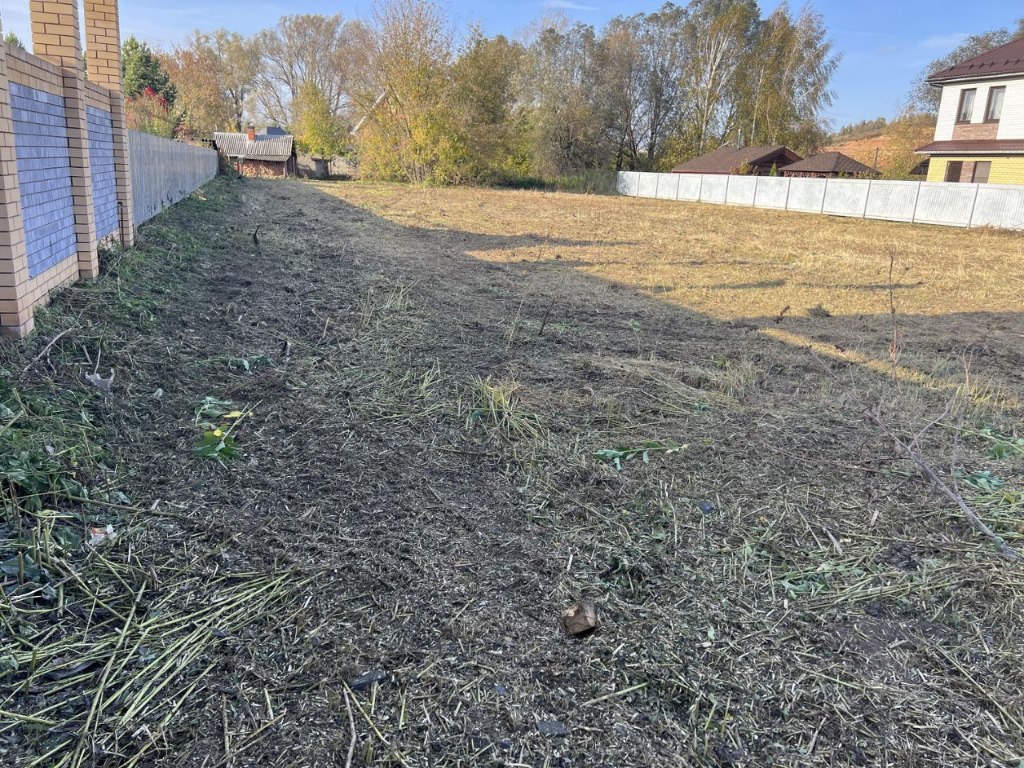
point(884, 43)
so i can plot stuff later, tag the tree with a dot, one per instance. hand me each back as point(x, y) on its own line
point(411, 130)
point(13, 40)
point(912, 129)
point(560, 85)
point(213, 75)
point(718, 35)
point(318, 131)
point(307, 49)
point(925, 97)
point(142, 69)
point(149, 112)
point(786, 81)
point(484, 97)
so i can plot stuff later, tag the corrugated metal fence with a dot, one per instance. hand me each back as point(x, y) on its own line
point(954, 205)
point(164, 172)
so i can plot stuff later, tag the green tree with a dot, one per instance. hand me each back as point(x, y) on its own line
point(142, 69)
point(925, 97)
point(13, 40)
point(318, 131)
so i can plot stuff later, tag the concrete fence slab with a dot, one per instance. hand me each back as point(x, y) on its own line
point(999, 206)
point(668, 186)
point(713, 189)
point(951, 204)
point(956, 205)
point(846, 197)
point(689, 187)
point(807, 195)
point(742, 190)
point(648, 186)
point(628, 183)
point(772, 192)
point(892, 200)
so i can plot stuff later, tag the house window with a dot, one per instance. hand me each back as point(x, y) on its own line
point(994, 110)
point(953, 170)
point(981, 171)
point(963, 114)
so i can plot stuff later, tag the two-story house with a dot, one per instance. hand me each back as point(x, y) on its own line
point(980, 132)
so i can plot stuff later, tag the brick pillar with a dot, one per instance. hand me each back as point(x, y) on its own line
point(56, 38)
point(103, 61)
point(15, 311)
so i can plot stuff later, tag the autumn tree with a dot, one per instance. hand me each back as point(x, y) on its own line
point(142, 69)
point(925, 97)
point(213, 74)
point(560, 85)
point(318, 130)
point(785, 81)
point(411, 130)
point(485, 102)
point(912, 129)
point(307, 49)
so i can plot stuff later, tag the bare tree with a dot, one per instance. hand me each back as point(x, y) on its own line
point(306, 49)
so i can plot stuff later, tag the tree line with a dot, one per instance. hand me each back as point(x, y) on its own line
point(409, 99)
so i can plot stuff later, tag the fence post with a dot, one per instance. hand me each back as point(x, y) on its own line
point(917, 197)
point(728, 179)
point(103, 54)
point(867, 199)
point(789, 186)
point(753, 202)
point(15, 308)
point(700, 188)
point(974, 205)
point(824, 196)
point(56, 38)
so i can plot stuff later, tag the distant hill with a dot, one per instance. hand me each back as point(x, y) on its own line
point(886, 145)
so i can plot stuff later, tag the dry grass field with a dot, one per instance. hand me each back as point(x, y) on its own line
point(455, 413)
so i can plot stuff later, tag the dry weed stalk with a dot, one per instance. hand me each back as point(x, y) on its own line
point(912, 451)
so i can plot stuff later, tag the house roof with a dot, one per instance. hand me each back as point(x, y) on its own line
point(831, 162)
point(273, 148)
point(728, 159)
point(974, 147)
point(1005, 60)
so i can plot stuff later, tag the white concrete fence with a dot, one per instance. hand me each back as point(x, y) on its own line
point(919, 202)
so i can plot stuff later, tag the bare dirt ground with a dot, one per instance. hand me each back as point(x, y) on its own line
point(429, 385)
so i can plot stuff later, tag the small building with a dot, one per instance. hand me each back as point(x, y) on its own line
point(267, 155)
point(830, 165)
point(979, 135)
point(750, 161)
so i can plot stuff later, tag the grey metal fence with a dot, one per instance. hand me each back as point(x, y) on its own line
point(164, 172)
point(954, 205)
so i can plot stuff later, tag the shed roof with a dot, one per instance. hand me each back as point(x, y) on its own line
point(831, 162)
point(728, 159)
point(273, 148)
point(974, 147)
point(1005, 60)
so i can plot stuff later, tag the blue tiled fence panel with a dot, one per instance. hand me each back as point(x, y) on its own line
point(101, 164)
point(44, 174)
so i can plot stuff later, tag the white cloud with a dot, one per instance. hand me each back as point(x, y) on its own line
point(943, 42)
point(568, 5)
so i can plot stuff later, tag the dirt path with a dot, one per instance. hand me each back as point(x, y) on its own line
point(419, 459)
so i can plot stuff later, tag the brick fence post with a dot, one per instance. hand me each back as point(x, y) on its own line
point(56, 38)
point(103, 62)
point(15, 312)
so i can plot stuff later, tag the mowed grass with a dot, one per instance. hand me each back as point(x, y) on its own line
point(799, 278)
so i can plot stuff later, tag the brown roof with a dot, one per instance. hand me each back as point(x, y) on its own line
point(274, 148)
point(1005, 60)
point(831, 162)
point(984, 146)
point(729, 159)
